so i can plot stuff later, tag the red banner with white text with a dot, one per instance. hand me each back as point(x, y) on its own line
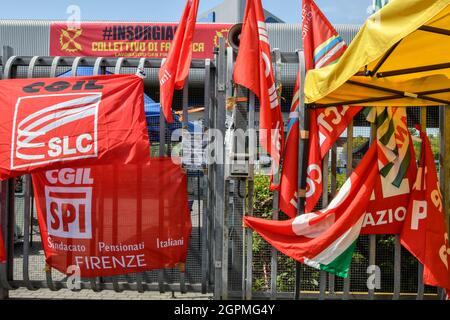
point(53, 123)
point(111, 220)
point(133, 40)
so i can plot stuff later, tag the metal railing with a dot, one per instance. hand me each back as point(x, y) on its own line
point(26, 266)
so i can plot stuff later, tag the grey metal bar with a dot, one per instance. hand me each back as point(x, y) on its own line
point(108, 286)
point(67, 61)
point(139, 276)
point(444, 125)
point(211, 124)
point(26, 186)
point(205, 252)
point(248, 232)
point(10, 67)
point(220, 230)
point(54, 66)
point(97, 65)
point(7, 53)
point(372, 259)
point(118, 65)
point(346, 293)
point(333, 187)
point(323, 274)
point(228, 61)
point(75, 65)
point(372, 237)
point(31, 66)
point(420, 284)
point(397, 267)
point(185, 127)
point(264, 295)
point(26, 229)
point(141, 285)
point(276, 195)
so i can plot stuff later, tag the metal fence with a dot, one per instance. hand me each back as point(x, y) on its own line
point(266, 273)
point(224, 258)
point(26, 265)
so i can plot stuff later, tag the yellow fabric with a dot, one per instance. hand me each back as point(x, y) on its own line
point(399, 20)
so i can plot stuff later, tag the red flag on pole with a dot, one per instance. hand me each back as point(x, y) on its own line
point(254, 50)
point(175, 69)
point(48, 123)
point(111, 220)
point(322, 46)
point(425, 232)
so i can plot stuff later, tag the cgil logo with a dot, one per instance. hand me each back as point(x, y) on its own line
point(53, 128)
point(68, 209)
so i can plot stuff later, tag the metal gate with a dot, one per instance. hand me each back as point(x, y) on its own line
point(224, 258)
point(26, 266)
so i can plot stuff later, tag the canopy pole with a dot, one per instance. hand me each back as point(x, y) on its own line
point(442, 31)
point(383, 60)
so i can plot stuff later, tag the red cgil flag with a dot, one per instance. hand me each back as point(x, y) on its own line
point(112, 220)
point(175, 69)
point(48, 123)
point(322, 46)
point(254, 50)
point(424, 232)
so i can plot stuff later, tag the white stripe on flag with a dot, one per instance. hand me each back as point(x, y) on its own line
point(338, 247)
point(329, 54)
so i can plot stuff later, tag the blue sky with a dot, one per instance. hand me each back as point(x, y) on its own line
point(340, 11)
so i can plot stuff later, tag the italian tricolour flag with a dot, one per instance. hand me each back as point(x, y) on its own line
point(326, 239)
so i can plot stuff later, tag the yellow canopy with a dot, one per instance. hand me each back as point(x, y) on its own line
point(400, 57)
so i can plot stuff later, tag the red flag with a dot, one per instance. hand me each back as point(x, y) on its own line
point(254, 50)
point(110, 220)
point(388, 204)
point(325, 239)
point(49, 123)
point(174, 71)
point(425, 233)
point(2, 248)
point(322, 46)
point(288, 202)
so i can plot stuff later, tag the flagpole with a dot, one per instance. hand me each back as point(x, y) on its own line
point(302, 156)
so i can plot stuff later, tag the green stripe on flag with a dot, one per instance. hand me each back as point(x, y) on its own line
point(388, 134)
point(381, 118)
point(341, 265)
point(385, 170)
point(403, 170)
